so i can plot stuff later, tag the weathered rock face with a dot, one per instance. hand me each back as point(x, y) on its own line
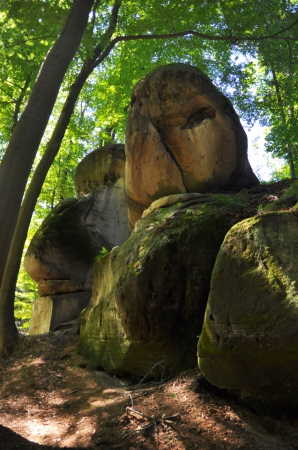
point(149, 294)
point(61, 254)
point(182, 136)
point(50, 311)
point(104, 165)
point(62, 248)
point(107, 221)
point(250, 335)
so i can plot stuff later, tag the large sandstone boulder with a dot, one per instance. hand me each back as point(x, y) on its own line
point(104, 165)
point(149, 294)
point(62, 249)
point(249, 341)
point(182, 136)
point(61, 254)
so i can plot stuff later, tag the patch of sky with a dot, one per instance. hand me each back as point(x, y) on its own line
point(261, 162)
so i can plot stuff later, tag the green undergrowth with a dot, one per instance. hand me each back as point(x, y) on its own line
point(25, 295)
point(216, 205)
point(23, 308)
point(103, 252)
point(231, 202)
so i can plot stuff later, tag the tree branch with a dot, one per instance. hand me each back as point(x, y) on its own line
point(27, 40)
point(232, 39)
point(8, 95)
point(110, 30)
point(13, 84)
point(95, 6)
point(203, 36)
point(222, 5)
point(19, 100)
point(287, 28)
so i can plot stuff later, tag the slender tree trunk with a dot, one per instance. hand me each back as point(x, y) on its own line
point(15, 253)
point(24, 143)
point(291, 164)
point(12, 267)
point(19, 156)
point(280, 101)
point(292, 110)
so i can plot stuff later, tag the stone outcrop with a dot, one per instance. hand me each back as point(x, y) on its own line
point(149, 294)
point(61, 254)
point(250, 335)
point(107, 221)
point(182, 136)
point(289, 199)
point(104, 165)
point(184, 199)
point(50, 311)
point(62, 248)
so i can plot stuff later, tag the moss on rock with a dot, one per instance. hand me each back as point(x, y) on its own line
point(62, 248)
point(287, 200)
point(63, 229)
point(249, 339)
point(149, 294)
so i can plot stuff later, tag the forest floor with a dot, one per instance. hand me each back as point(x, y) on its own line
point(51, 398)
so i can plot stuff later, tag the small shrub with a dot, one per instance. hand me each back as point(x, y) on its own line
point(103, 252)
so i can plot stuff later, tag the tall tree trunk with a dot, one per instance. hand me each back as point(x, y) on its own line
point(292, 111)
point(12, 267)
point(290, 160)
point(20, 153)
point(24, 143)
point(280, 101)
point(15, 253)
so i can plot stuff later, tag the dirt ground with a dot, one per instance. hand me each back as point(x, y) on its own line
point(50, 398)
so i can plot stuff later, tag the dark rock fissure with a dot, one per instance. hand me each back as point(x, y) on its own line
point(198, 117)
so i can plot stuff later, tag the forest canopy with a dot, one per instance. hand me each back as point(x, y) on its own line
point(247, 48)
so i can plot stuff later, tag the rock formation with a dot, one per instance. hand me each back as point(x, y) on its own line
point(61, 254)
point(61, 250)
point(250, 335)
point(53, 310)
point(182, 136)
point(149, 294)
point(103, 166)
